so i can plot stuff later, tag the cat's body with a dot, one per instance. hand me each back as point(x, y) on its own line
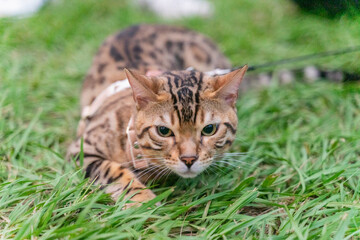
point(149, 47)
point(188, 104)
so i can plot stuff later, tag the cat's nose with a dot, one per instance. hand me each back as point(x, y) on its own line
point(188, 160)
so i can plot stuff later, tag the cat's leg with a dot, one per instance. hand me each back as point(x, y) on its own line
point(115, 178)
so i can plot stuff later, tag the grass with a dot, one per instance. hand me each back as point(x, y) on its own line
point(298, 180)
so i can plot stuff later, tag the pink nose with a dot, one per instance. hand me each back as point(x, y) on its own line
point(188, 160)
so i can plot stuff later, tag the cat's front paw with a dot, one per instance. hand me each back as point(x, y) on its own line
point(140, 197)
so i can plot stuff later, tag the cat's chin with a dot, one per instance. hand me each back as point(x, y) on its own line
point(188, 174)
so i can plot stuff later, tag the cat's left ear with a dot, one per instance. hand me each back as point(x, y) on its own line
point(227, 86)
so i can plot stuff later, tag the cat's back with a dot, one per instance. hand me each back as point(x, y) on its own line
point(149, 48)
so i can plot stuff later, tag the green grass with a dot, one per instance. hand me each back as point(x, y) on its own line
point(298, 180)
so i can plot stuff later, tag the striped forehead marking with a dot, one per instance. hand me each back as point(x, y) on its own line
point(184, 88)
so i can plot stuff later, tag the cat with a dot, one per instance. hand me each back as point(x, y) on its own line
point(155, 101)
point(143, 113)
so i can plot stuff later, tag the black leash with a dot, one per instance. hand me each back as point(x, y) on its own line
point(303, 58)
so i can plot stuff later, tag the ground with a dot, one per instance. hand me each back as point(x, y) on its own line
point(298, 177)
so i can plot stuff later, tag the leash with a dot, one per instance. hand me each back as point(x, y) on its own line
point(303, 58)
point(133, 150)
point(347, 77)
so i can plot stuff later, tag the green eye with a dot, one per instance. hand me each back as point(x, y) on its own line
point(164, 131)
point(209, 130)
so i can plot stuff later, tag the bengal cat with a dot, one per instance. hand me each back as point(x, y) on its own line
point(143, 113)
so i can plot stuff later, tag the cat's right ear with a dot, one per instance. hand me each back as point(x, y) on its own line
point(227, 86)
point(141, 87)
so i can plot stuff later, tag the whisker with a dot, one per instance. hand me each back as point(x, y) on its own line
point(228, 168)
point(238, 159)
point(252, 151)
point(159, 173)
point(233, 163)
point(151, 156)
point(218, 168)
point(213, 171)
point(147, 170)
point(228, 163)
point(232, 154)
point(163, 174)
point(152, 174)
point(232, 159)
point(167, 175)
point(146, 159)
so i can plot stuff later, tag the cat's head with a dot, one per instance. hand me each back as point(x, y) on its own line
point(185, 118)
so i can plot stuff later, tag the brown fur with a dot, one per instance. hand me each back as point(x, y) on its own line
point(183, 101)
